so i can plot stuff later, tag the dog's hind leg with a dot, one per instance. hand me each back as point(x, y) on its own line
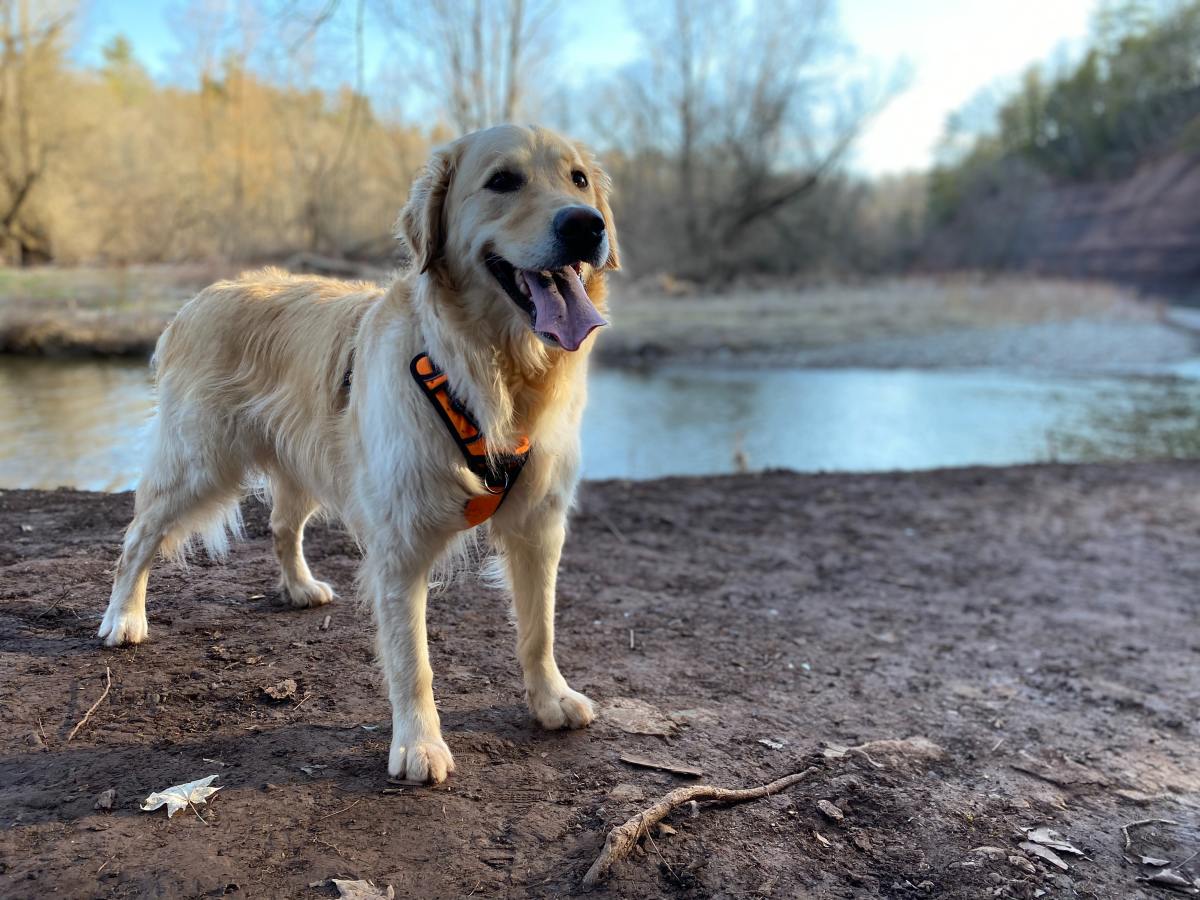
point(291, 508)
point(178, 495)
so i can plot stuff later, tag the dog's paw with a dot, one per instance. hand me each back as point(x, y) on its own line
point(308, 594)
point(122, 627)
point(563, 708)
point(420, 760)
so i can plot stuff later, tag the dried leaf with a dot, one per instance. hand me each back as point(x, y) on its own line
point(281, 690)
point(362, 890)
point(905, 749)
point(1044, 853)
point(1171, 878)
point(897, 752)
point(1154, 861)
point(179, 796)
point(774, 745)
point(1048, 837)
point(665, 765)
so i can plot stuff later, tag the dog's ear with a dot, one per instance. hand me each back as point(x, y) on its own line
point(421, 222)
point(603, 185)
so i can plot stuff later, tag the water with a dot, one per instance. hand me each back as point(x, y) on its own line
point(81, 424)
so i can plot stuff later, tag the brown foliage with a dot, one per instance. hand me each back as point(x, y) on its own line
point(121, 169)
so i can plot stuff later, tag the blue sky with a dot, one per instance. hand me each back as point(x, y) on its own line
point(955, 48)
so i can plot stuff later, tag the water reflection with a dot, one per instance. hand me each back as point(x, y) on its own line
point(81, 423)
point(692, 421)
point(72, 423)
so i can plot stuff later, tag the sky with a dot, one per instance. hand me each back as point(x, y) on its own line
point(953, 49)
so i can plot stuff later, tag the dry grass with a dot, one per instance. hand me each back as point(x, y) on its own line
point(95, 311)
point(656, 319)
point(90, 311)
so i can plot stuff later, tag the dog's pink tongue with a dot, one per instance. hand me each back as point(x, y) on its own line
point(564, 310)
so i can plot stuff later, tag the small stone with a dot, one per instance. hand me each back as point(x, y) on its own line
point(1022, 863)
point(106, 799)
point(991, 852)
point(625, 793)
point(830, 811)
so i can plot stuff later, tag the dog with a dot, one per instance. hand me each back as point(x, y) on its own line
point(407, 412)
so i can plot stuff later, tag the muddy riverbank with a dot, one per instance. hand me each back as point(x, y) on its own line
point(1039, 625)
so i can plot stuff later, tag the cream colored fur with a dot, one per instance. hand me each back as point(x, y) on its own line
point(250, 383)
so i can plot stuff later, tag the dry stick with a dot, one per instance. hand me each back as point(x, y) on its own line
point(340, 811)
point(87, 715)
point(607, 523)
point(1139, 823)
point(650, 838)
point(865, 755)
point(623, 838)
point(197, 812)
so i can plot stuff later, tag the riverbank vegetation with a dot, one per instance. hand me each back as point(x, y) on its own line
point(272, 140)
point(271, 135)
point(120, 311)
point(1084, 165)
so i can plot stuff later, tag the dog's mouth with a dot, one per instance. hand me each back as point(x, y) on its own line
point(559, 309)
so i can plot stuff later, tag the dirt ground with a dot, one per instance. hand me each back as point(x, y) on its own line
point(1040, 625)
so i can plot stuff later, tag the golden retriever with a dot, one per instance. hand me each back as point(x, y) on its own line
point(310, 383)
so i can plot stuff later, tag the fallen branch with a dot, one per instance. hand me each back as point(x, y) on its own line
point(1139, 823)
point(87, 715)
point(623, 838)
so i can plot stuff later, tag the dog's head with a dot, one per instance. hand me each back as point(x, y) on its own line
point(519, 217)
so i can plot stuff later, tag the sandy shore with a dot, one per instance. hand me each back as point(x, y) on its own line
point(1038, 626)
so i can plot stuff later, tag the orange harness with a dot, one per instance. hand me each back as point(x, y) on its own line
point(500, 472)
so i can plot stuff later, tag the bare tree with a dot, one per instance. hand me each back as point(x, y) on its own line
point(478, 60)
point(33, 46)
point(747, 103)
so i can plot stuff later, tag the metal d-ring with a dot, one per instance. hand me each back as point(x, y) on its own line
point(491, 487)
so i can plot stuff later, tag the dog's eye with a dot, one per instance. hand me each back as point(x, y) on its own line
point(504, 182)
point(580, 180)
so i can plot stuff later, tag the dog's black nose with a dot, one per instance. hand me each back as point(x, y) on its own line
point(580, 229)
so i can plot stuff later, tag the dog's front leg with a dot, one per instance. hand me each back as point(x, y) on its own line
point(399, 587)
point(531, 554)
